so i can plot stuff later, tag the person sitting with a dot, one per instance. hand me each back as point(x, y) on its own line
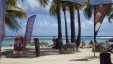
point(90, 44)
point(83, 45)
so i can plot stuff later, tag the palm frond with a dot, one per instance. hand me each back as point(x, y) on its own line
point(12, 12)
point(12, 23)
point(44, 2)
point(88, 10)
point(110, 17)
point(109, 12)
point(16, 12)
point(52, 10)
point(11, 2)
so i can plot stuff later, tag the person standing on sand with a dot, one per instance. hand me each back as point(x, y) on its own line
point(54, 42)
point(83, 44)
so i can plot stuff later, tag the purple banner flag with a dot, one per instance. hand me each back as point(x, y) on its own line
point(80, 2)
point(2, 7)
point(99, 2)
point(29, 28)
point(3, 31)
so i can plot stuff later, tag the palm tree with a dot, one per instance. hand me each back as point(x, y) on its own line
point(66, 30)
point(12, 13)
point(71, 9)
point(73, 35)
point(78, 41)
point(55, 10)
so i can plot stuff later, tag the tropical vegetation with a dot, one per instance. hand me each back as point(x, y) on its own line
point(12, 13)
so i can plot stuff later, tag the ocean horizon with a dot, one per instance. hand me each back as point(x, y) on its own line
point(9, 40)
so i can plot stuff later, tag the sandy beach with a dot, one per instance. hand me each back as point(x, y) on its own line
point(50, 56)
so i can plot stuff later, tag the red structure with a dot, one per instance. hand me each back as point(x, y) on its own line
point(19, 45)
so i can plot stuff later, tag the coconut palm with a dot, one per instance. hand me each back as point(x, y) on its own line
point(73, 35)
point(12, 13)
point(73, 39)
point(66, 30)
point(55, 11)
point(78, 41)
point(75, 8)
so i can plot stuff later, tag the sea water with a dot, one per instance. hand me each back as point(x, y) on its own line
point(9, 41)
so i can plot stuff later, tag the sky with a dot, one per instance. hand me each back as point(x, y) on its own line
point(46, 25)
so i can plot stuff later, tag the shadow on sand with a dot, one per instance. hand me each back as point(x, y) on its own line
point(30, 53)
point(85, 59)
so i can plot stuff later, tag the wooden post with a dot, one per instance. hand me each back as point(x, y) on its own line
point(105, 58)
point(37, 46)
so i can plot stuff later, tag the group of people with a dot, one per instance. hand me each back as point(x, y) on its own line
point(82, 46)
point(90, 45)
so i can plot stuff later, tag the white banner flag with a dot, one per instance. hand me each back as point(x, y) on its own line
point(99, 2)
point(80, 2)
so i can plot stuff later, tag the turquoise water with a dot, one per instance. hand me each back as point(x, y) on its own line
point(9, 41)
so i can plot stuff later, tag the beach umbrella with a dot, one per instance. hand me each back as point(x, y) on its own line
point(2, 7)
point(98, 15)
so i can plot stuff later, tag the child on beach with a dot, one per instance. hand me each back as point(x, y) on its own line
point(83, 45)
point(90, 44)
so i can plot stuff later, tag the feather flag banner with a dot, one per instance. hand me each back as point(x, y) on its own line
point(80, 2)
point(99, 2)
point(29, 28)
point(2, 7)
point(3, 31)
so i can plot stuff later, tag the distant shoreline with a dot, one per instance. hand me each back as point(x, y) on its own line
point(64, 36)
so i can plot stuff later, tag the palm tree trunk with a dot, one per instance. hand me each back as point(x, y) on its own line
point(66, 30)
point(99, 17)
point(79, 30)
point(73, 39)
point(59, 24)
point(59, 21)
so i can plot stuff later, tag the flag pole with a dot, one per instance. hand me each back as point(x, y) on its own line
point(94, 29)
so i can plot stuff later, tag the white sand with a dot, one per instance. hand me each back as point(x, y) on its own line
point(49, 56)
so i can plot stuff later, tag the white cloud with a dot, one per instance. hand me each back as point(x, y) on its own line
point(33, 7)
point(33, 3)
point(43, 24)
point(87, 25)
